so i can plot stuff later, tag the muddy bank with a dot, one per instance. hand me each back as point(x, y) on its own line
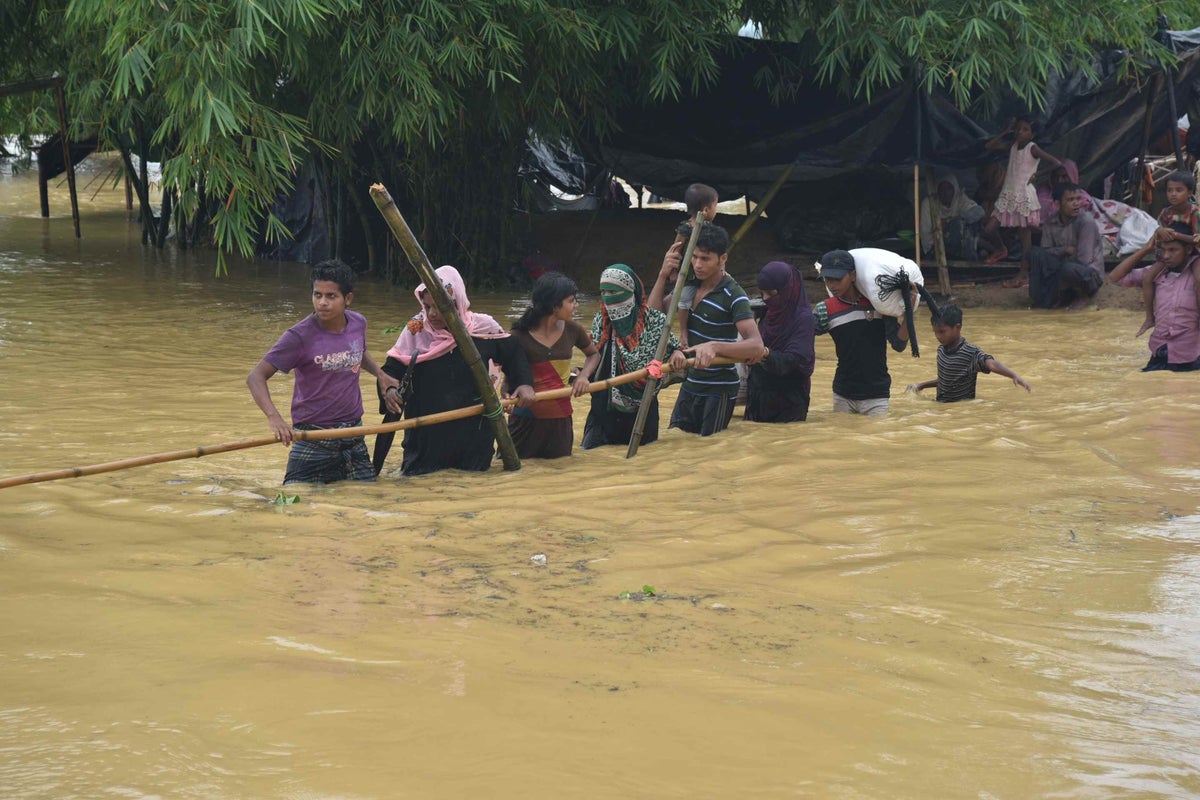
point(582, 244)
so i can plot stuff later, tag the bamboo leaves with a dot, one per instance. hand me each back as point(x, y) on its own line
point(436, 97)
point(965, 46)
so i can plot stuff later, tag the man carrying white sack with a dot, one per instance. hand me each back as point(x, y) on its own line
point(861, 384)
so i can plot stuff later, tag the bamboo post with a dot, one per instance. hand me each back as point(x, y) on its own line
point(61, 102)
point(762, 206)
point(43, 189)
point(445, 307)
point(685, 268)
point(311, 436)
point(1169, 72)
point(939, 235)
point(917, 213)
point(1141, 164)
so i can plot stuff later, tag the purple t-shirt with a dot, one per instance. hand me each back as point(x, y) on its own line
point(326, 366)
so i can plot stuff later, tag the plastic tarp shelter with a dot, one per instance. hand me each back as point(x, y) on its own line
point(735, 138)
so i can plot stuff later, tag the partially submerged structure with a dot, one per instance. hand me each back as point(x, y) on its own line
point(58, 154)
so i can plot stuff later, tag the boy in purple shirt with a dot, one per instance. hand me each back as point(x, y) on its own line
point(326, 350)
point(1175, 340)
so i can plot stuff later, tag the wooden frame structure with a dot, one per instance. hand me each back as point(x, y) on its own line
point(54, 82)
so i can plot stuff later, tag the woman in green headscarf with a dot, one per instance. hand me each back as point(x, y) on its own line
point(627, 333)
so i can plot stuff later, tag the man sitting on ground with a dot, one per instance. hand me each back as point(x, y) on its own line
point(1068, 268)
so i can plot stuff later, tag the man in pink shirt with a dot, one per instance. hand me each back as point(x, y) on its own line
point(1175, 340)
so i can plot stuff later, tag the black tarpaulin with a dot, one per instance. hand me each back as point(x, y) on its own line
point(735, 138)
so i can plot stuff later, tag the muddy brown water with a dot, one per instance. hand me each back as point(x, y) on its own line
point(996, 599)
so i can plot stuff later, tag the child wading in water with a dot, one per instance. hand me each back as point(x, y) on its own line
point(1018, 205)
point(959, 362)
point(1180, 210)
point(549, 336)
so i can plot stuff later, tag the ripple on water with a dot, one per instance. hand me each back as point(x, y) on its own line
point(972, 599)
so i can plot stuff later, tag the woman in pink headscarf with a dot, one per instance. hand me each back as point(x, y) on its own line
point(1108, 214)
point(1066, 172)
point(435, 377)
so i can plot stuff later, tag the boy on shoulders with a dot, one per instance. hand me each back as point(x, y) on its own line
point(327, 350)
point(699, 197)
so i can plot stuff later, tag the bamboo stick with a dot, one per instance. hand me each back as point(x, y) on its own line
point(1155, 83)
point(685, 267)
point(917, 213)
point(445, 307)
point(314, 436)
point(762, 205)
point(939, 233)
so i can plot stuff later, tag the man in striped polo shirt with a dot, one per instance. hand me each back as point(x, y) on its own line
point(861, 384)
point(720, 313)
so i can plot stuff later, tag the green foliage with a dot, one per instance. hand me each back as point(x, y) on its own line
point(436, 97)
point(966, 46)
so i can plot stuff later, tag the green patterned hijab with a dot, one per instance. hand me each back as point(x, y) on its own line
point(621, 298)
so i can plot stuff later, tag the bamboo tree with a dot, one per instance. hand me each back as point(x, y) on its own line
point(234, 94)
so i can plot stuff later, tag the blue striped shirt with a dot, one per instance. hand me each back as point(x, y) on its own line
point(715, 319)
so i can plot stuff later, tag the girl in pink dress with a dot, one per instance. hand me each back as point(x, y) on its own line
point(1018, 206)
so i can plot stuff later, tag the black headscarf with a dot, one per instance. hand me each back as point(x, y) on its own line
point(789, 326)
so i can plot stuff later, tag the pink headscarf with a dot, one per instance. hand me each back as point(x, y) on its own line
point(429, 342)
point(1046, 193)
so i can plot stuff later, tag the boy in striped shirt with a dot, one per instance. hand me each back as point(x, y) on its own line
point(720, 312)
point(959, 361)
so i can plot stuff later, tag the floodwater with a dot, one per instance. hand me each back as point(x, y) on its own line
point(997, 599)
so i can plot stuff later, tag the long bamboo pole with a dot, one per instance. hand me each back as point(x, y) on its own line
point(762, 205)
point(917, 213)
point(685, 268)
point(445, 306)
point(313, 436)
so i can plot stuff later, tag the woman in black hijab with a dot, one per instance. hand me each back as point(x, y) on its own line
point(780, 384)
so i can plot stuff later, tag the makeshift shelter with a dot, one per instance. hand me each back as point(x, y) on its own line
point(734, 137)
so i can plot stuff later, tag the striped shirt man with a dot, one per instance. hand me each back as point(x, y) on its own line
point(715, 319)
point(957, 371)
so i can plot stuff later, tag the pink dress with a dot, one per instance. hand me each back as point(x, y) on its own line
point(1018, 205)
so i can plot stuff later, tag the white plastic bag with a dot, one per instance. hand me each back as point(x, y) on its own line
point(1137, 229)
point(871, 263)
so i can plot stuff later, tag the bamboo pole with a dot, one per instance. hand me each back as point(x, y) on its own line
point(1146, 119)
point(685, 268)
point(762, 205)
point(470, 353)
point(939, 234)
point(315, 436)
point(43, 189)
point(917, 213)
